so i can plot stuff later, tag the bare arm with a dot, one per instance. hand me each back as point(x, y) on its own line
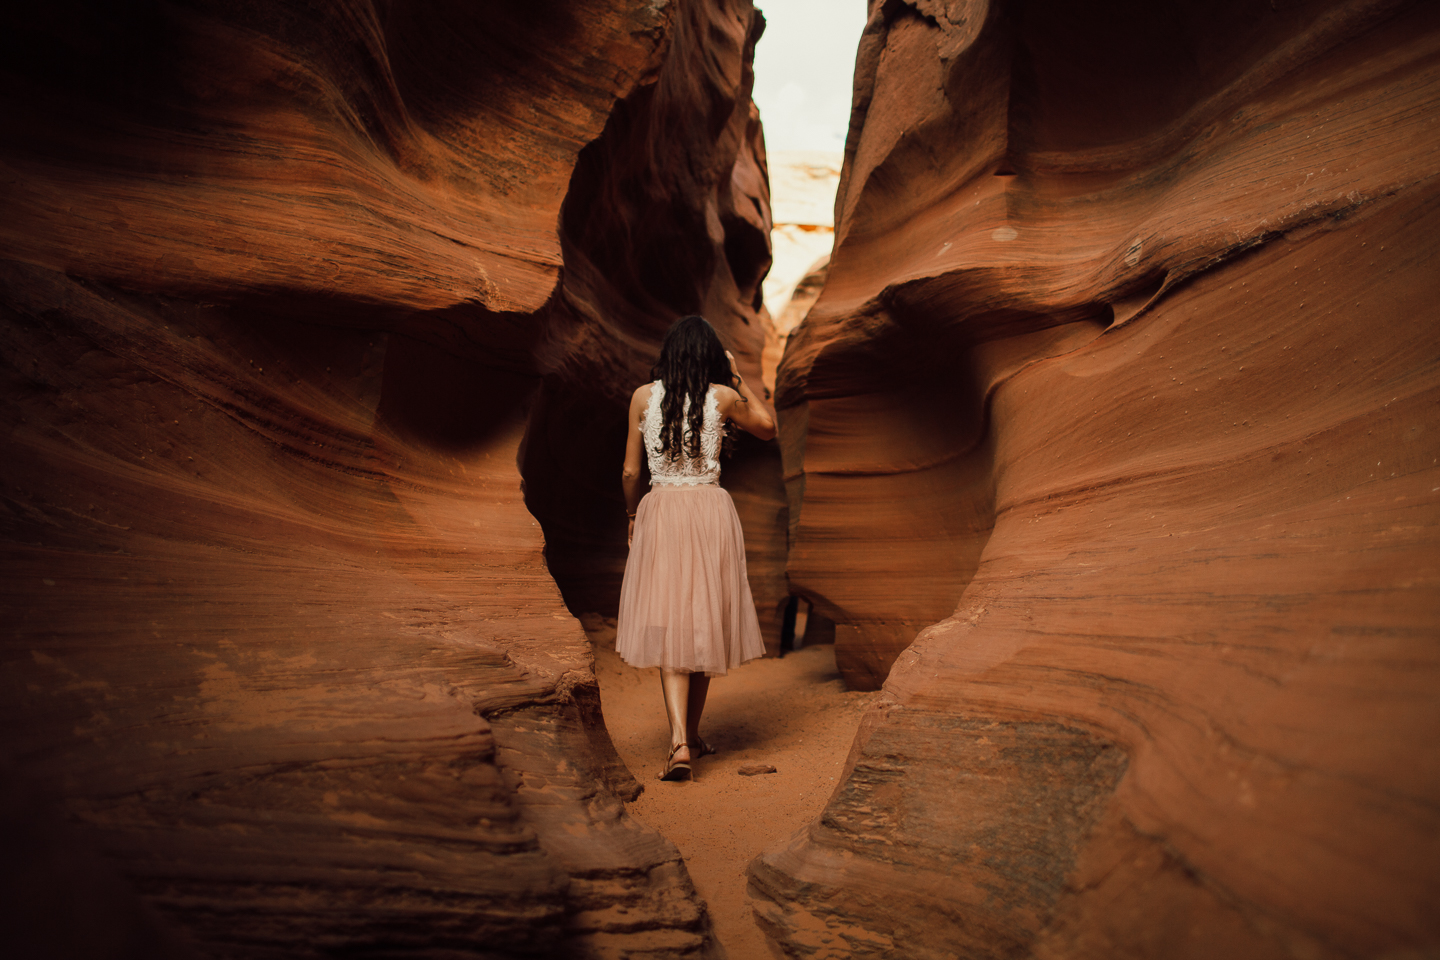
point(631, 476)
point(744, 407)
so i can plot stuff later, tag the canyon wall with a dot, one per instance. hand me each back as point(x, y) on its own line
point(1120, 402)
point(290, 294)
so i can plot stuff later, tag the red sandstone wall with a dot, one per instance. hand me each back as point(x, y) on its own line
point(279, 289)
point(1122, 395)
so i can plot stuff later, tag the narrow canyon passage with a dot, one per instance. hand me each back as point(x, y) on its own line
point(793, 713)
point(1102, 446)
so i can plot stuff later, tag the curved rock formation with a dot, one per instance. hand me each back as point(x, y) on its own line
point(280, 287)
point(1125, 372)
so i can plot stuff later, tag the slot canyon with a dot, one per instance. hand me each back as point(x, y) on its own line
point(1101, 451)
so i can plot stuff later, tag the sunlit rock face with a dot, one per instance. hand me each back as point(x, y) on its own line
point(279, 288)
point(1121, 395)
point(667, 215)
point(802, 202)
point(802, 297)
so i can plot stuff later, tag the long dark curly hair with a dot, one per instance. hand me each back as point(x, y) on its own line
point(691, 358)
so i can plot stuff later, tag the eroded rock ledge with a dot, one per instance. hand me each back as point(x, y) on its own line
point(1121, 395)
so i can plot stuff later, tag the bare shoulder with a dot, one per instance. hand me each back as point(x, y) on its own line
point(725, 397)
point(639, 400)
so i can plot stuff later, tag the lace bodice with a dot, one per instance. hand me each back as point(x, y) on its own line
point(682, 470)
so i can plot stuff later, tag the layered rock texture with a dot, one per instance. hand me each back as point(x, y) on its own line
point(285, 290)
point(1121, 396)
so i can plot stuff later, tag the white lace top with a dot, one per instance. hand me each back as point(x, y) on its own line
point(683, 470)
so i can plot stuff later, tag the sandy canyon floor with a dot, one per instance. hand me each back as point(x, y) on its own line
point(793, 713)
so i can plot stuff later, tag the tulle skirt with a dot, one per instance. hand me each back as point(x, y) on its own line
point(685, 603)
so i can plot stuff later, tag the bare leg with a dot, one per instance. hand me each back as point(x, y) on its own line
point(699, 688)
point(678, 692)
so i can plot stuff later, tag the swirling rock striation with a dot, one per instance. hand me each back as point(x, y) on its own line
point(278, 287)
point(1121, 396)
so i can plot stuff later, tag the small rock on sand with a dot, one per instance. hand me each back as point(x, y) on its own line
point(751, 769)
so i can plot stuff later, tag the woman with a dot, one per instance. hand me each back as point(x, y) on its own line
point(685, 605)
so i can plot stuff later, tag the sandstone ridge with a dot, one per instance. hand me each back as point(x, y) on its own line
point(1110, 449)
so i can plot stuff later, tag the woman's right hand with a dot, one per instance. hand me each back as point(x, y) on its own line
point(734, 369)
point(750, 417)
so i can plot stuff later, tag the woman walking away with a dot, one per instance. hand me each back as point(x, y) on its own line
point(685, 605)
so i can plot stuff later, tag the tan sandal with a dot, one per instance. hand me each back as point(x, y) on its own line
point(676, 770)
point(703, 748)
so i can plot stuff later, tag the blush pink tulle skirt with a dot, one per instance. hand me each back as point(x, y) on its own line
point(685, 603)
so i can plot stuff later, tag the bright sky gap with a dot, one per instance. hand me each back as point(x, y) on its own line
point(804, 70)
